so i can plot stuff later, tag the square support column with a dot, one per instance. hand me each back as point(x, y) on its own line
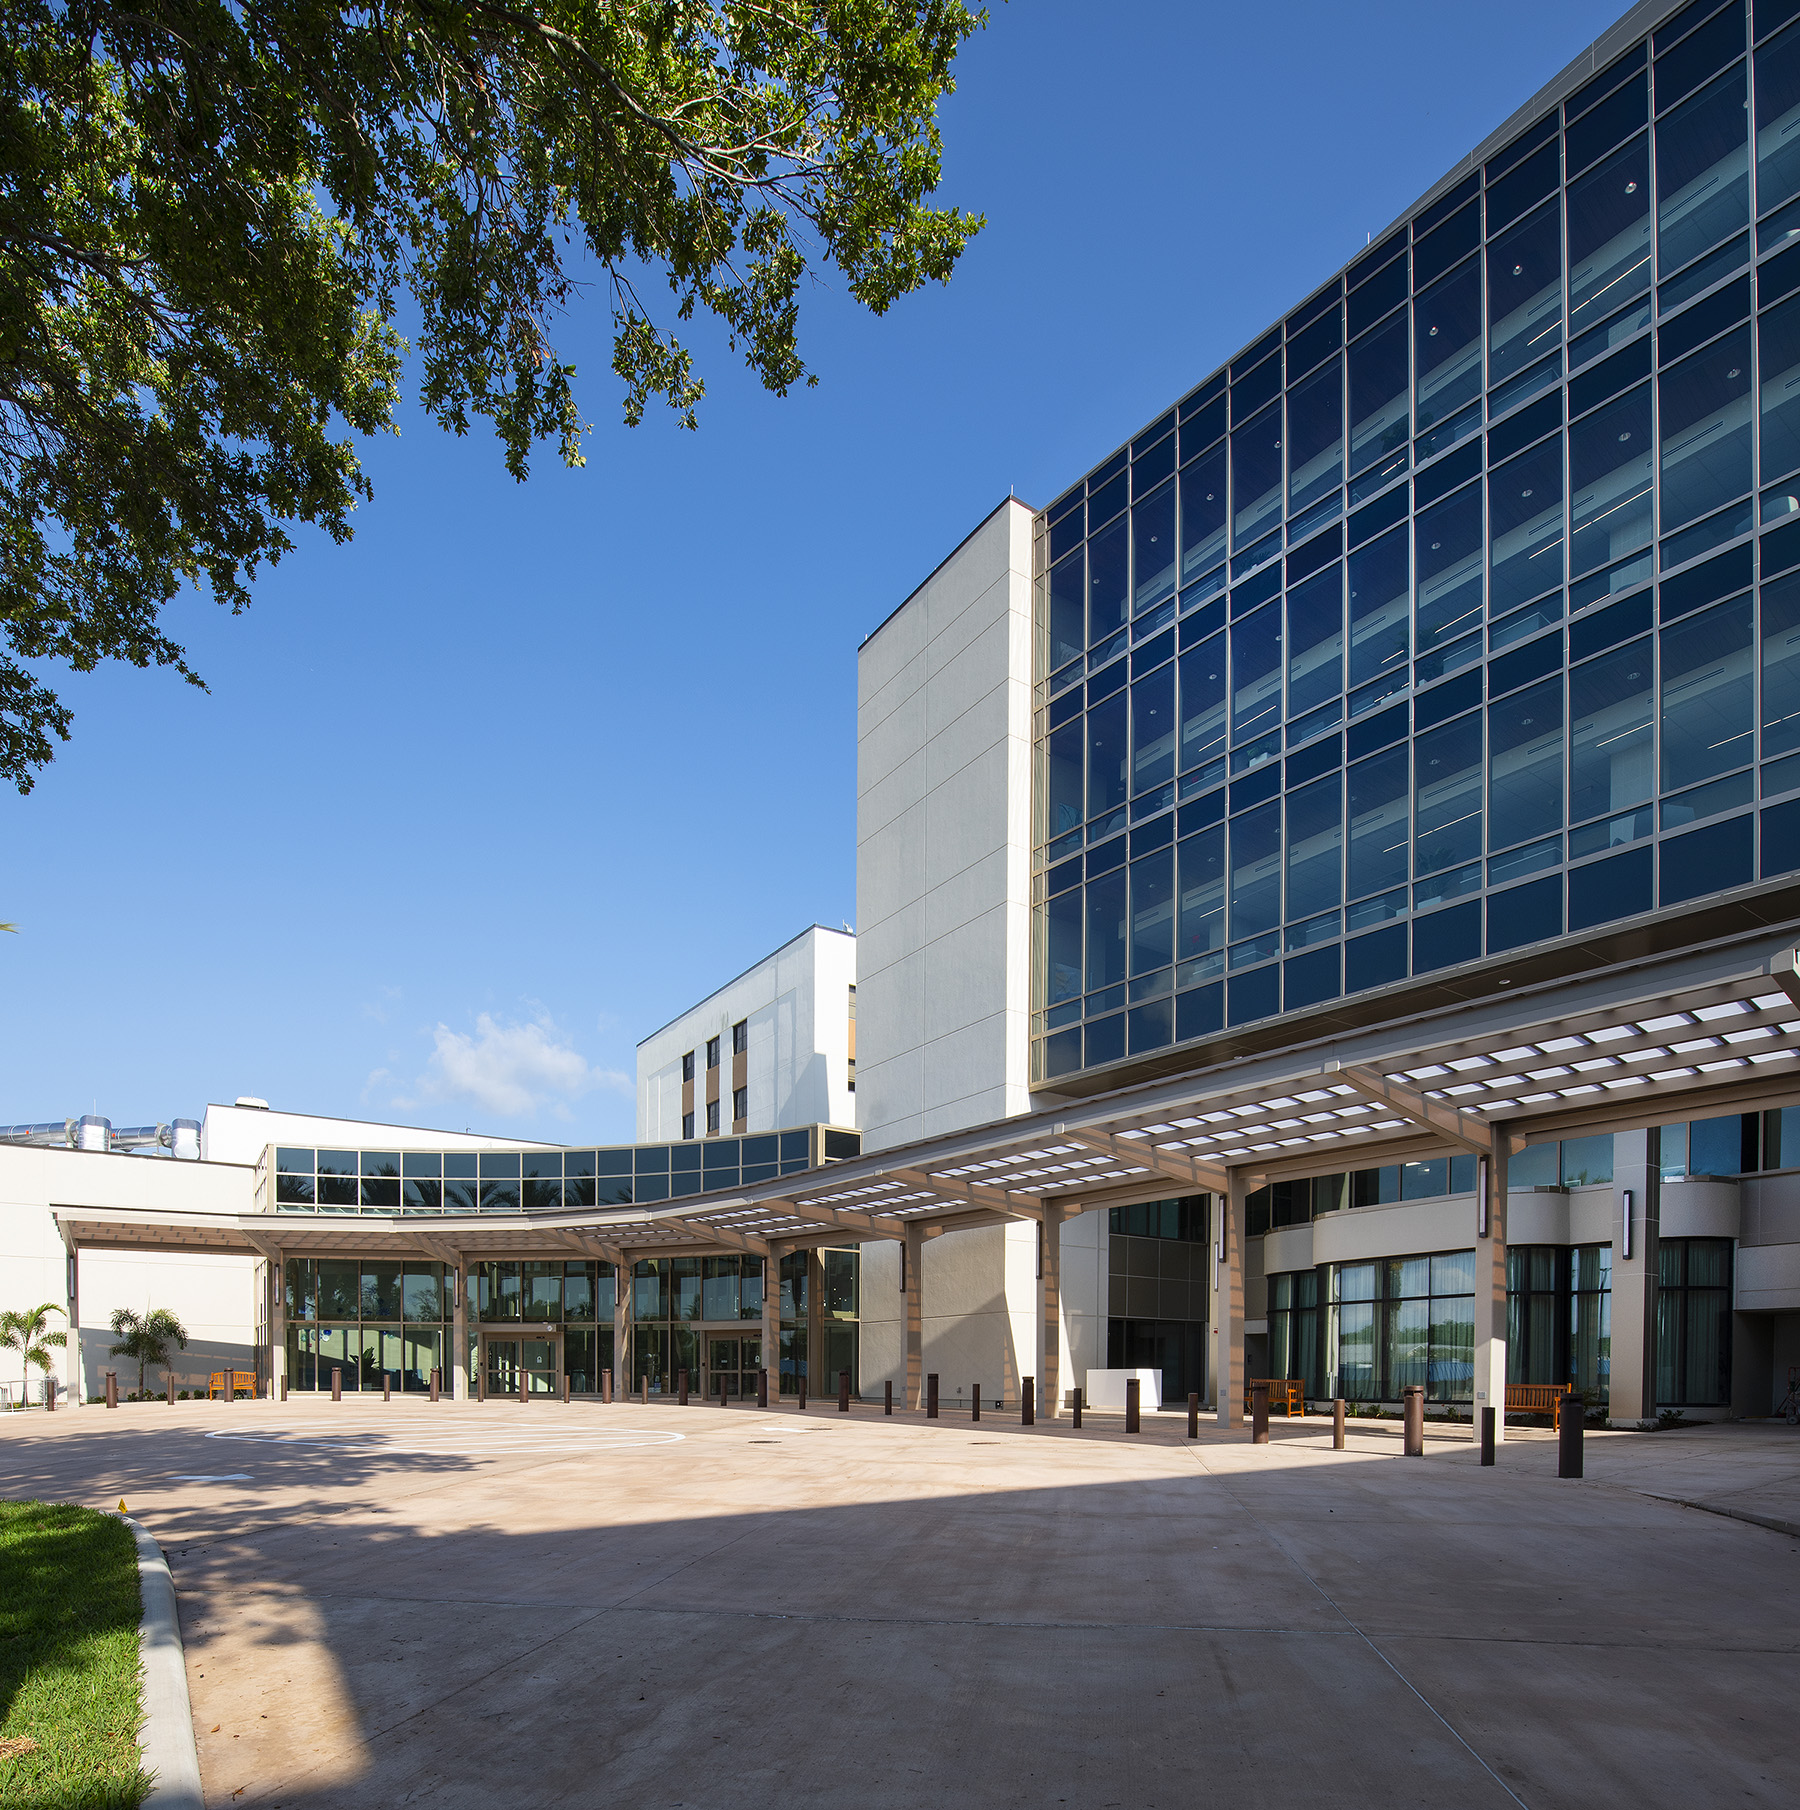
point(1637, 1173)
point(912, 1282)
point(1228, 1300)
point(74, 1362)
point(1049, 1388)
point(459, 1334)
point(1489, 1388)
point(277, 1325)
point(771, 1322)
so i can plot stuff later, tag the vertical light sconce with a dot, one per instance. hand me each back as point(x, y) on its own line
point(1481, 1197)
point(1625, 1246)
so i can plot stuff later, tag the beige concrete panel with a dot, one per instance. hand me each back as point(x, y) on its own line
point(1591, 1214)
point(1769, 1209)
point(1355, 1235)
point(1699, 1209)
point(1288, 1248)
point(1538, 1216)
point(1767, 1277)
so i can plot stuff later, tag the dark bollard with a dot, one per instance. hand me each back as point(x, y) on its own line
point(337, 1382)
point(1337, 1425)
point(437, 1379)
point(480, 1384)
point(931, 1393)
point(1413, 1444)
point(1487, 1435)
point(681, 1386)
point(1028, 1402)
point(1077, 1405)
point(802, 1380)
point(606, 1385)
point(1259, 1411)
point(565, 1387)
point(1570, 1418)
point(112, 1388)
point(645, 1379)
point(888, 1400)
point(721, 1389)
point(170, 1387)
point(1193, 1415)
point(762, 1388)
point(1131, 1404)
point(172, 1390)
point(524, 1394)
point(975, 1404)
point(386, 1385)
point(843, 1391)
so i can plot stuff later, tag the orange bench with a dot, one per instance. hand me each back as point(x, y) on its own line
point(216, 1384)
point(1289, 1394)
point(1536, 1398)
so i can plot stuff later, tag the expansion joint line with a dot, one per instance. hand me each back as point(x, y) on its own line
point(1356, 1627)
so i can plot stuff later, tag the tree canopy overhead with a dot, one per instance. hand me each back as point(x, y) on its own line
point(213, 211)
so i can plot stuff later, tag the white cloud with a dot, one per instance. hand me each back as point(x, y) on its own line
point(513, 1069)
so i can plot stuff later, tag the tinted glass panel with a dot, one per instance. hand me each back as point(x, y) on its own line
point(1524, 293)
point(1108, 580)
point(1378, 806)
point(1778, 120)
point(1378, 395)
point(1203, 703)
point(1778, 342)
point(1705, 407)
point(1525, 751)
point(1611, 482)
point(1256, 477)
point(1380, 608)
point(1525, 526)
point(1448, 557)
point(1447, 345)
point(1315, 640)
point(1707, 684)
point(1702, 171)
point(1315, 437)
point(1203, 515)
point(1201, 861)
point(1256, 672)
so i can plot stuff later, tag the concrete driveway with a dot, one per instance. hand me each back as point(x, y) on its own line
point(484, 1605)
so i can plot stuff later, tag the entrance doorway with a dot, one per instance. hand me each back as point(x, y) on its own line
point(513, 1364)
point(733, 1360)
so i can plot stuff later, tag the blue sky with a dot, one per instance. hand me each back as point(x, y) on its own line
point(482, 797)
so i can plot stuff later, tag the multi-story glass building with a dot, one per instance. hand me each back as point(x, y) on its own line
point(1457, 618)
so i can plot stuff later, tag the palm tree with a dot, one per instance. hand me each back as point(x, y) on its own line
point(146, 1337)
point(28, 1333)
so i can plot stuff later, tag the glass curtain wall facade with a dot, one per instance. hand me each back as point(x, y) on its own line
point(817, 1319)
point(1158, 1291)
point(1461, 612)
point(546, 1181)
point(366, 1320)
point(690, 1313)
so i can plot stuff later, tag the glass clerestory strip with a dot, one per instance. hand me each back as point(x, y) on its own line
point(1463, 612)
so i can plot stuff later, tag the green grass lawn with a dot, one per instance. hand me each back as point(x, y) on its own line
point(69, 1608)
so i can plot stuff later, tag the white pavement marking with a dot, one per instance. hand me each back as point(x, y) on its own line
point(223, 1477)
point(461, 1442)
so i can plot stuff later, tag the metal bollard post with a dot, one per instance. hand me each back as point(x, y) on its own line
point(1193, 1414)
point(1337, 1424)
point(170, 1386)
point(888, 1403)
point(721, 1388)
point(437, 1378)
point(565, 1388)
point(606, 1385)
point(1028, 1401)
point(645, 1380)
point(1414, 1410)
point(480, 1383)
point(112, 1388)
point(1570, 1417)
point(975, 1404)
point(1077, 1406)
point(386, 1385)
point(681, 1386)
point(931, 1394)
point(1131, 1404)
point(843, 1391)
point(283, 1389)
point(524, 1395)
point(762, 1388)
point(802, 1381)
point(1487, 1435)
point(337, 1382)
point(1259, 1411)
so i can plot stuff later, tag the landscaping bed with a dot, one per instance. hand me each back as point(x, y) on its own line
point(69, 1693)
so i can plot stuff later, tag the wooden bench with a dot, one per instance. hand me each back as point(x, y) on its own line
point(1289, 1394)
point(1536, 1398)
point(217, 1384)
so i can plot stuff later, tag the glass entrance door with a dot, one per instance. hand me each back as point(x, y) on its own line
point(512, 1363)
point(734, 1361)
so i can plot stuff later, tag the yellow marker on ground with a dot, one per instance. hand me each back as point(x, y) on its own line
point(121, 1505)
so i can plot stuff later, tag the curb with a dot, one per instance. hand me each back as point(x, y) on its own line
point(1772, 1522)
point(166, 1735)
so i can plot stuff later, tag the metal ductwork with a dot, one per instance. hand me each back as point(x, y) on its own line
point(92, 1132)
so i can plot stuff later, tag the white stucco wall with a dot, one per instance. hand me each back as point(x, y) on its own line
point(237, 1134)
point(213, 1296)
point(943, 845)
point(796, 1004)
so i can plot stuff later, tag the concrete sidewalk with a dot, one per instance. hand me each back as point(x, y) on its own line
point(482, 1604)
